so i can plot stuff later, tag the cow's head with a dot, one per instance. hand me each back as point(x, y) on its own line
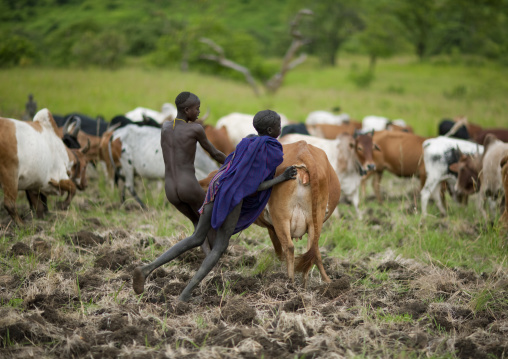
point(467, 169)
point(364, 146)
point(79, 164)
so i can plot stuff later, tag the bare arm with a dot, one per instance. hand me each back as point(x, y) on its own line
point(208, 147)
point(289, 173)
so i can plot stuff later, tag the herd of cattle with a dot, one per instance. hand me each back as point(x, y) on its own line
point(334, 154)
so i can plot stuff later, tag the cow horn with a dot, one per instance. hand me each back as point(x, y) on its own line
point(77, 125)
point(207, 114)
point(65, 127)
point(86, 148)
point(114, 127)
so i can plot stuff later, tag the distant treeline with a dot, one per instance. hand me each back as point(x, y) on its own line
point(106, 33)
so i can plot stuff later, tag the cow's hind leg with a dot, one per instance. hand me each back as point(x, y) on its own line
point(38, 203)
point(283, 233)
point(275, 241)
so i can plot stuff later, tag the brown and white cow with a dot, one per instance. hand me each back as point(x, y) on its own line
point(34, 158)
point(301, 206)
point(350, 156)
point(401, 154)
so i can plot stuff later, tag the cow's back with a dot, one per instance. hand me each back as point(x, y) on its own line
point(401, 152)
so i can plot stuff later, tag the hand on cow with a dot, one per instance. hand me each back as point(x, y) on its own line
point(290, 173)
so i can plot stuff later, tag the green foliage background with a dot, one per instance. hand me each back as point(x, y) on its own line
point(107, 33)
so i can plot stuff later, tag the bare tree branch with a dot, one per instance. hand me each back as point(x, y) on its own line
point(288, 63)
point(275, 82)
point(221, 59)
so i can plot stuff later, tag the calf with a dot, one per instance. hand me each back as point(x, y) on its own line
point(350, 156)
point(301, 206)
point(438, 154)
point(400, 153)
point(34, 158)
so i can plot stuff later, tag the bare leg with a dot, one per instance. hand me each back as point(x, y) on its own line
point(197, 238)
point(224, 233)
point(193, 215)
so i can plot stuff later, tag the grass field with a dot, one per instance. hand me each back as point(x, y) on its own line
point(402, 287)
point(421, 94)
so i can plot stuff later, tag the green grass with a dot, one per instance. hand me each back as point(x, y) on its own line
point(402, 88)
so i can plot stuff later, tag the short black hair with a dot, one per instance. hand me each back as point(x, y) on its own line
point(184, 98)
point(264, 119)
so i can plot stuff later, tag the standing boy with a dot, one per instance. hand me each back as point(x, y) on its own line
point(178, 141)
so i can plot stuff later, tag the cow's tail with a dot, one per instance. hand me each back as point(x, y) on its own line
point(305, 261)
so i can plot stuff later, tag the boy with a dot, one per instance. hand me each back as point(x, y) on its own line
point(178, 142)
point(236, 196)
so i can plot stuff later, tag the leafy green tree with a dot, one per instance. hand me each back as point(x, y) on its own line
point(419, 20)
point(334, 22)
point(105, 49)
point(15, 50)
point(381, 36)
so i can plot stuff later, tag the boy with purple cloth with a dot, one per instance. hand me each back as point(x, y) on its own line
point(236, 196)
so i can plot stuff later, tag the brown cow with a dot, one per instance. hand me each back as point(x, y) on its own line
point(401, 154)
point(301, 206)
point(219, 139)
point(500, 133)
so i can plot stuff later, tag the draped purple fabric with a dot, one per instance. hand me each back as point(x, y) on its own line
point(253, 162)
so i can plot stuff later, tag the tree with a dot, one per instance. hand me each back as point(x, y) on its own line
point(381, 37)
point(335, 21)
point(288, 63)
point(419, 20)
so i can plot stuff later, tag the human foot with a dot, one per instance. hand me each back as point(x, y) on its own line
point(138, 280)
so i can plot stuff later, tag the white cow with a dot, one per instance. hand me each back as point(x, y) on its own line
point(438, 154)
point(168, 110)
point(326, 118)
point(343, 156)
point(141, 155)
point(239, 125)
point(34, 158)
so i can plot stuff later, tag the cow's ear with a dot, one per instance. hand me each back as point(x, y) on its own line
point(376, 147)
point(454, 167)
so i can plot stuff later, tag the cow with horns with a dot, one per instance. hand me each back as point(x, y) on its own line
point(34, 158)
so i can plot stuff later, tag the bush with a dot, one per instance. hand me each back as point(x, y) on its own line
point(16, 50)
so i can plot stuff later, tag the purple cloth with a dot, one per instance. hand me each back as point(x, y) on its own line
point(253, 162)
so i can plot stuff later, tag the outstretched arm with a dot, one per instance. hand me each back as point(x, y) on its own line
point(289, 173)
point(208, 147)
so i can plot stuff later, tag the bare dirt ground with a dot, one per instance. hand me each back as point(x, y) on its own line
point(75, 299)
